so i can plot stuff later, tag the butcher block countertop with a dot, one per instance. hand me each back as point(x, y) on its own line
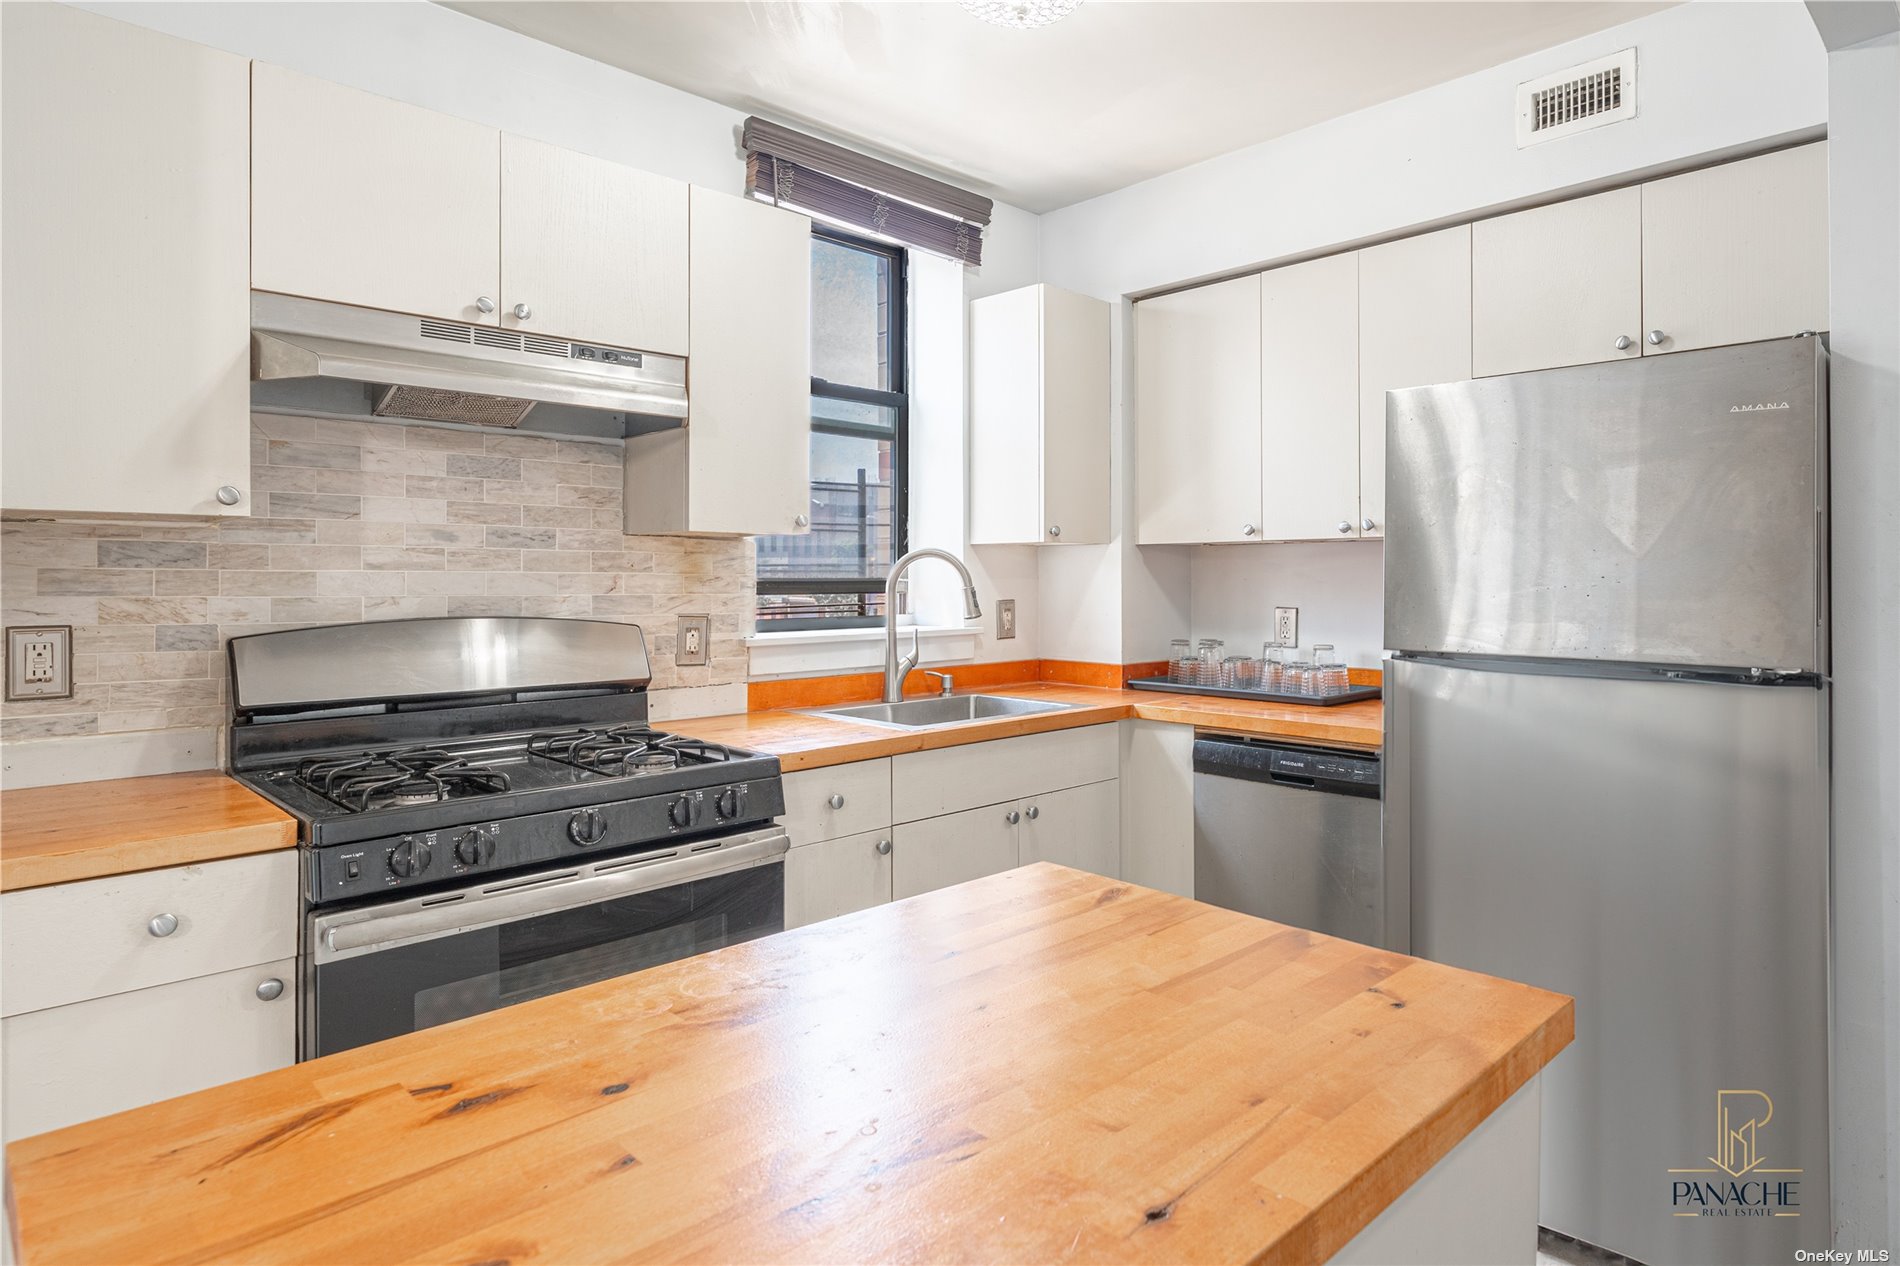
point(803, 741)
point(85, 830)
point(1041, 1065)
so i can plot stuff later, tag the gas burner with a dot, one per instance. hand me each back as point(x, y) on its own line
point(406, 776)
point(625, 749)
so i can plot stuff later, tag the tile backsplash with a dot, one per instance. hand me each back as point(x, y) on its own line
point(356, 521)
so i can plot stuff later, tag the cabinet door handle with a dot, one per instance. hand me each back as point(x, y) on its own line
point(801, 520)
point(271, 989)
point(1055, 529)
point(484, 304)
point(1033, 812)
point(1656, 338)
point(1345, 528)
point(884, 847)
point(162, 924)
point(836, 801)
point(1367, 524)
point(229, 495)
point(1012, 817)
point(1622, 343)
point(523, 312)
point(1248, 529)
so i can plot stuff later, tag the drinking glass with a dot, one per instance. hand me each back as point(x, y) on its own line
point(1273, 667)
point(1180, 661)
point(1230, 671)
point(1299, 678)
point(1329, 674)
point(1246, 673)
point(1207, 662)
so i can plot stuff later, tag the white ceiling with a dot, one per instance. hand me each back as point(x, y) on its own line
point(1113, 94)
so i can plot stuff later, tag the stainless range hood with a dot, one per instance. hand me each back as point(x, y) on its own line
point(333, 360)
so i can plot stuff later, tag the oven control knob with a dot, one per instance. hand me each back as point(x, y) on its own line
point(729, 802)
point(472, 848)
point(681, 813)
point(587, 827)
point(409, 858)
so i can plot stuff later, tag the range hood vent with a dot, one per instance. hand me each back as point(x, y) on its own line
point(334, 360)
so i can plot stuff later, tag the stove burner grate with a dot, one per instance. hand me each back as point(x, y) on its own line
point(410, 775)
point(625, 749)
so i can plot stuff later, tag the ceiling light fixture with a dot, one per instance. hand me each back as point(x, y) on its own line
point(1023, 15)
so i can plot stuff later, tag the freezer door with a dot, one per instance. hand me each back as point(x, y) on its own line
point(1657, 850)
point(1667, 510)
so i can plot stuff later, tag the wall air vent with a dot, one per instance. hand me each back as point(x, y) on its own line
point(1577, 99)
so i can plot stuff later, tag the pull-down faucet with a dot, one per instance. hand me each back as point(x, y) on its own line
point(895, 669)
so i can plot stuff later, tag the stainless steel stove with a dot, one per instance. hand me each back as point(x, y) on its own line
point(486, 816)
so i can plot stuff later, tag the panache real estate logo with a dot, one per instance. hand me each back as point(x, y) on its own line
point(1741, 1184)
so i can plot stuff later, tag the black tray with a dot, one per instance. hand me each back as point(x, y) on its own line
point(1353, 695)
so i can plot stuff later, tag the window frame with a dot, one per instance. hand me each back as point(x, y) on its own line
point(898, 401)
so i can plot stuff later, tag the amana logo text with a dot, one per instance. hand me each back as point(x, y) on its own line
point(1741, 1184)
point(1763, 407)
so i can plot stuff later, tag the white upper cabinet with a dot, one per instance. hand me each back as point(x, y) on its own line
point(1414, 331)
point(359, 199)
point(1197, 357)
point(1039, 405)
point(1309, 393)
point(1737, 252)
point(591, 249)
point(126, 205)
point(1558, 285)
point(741, 466)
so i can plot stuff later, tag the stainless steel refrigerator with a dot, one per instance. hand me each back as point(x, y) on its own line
point(1607, 768)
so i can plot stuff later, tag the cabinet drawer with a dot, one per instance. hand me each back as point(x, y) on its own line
point(837, 877)
point(926, 784)
point(69, 1064)
point(71, 942)
point(864, 789)
point(955, 848)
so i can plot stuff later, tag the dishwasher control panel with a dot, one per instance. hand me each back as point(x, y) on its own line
point(1331, 766)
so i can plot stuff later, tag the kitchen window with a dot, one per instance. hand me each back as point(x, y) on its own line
point(833, 575)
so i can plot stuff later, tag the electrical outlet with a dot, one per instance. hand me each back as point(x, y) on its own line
point(40, 662)
point(1286, 626)
point(1005, 619)
point(692, 649)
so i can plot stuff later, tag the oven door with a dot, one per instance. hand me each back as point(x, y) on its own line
point(380, 971)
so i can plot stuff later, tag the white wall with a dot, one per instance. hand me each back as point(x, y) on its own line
point(1864, 316)
point(435, 57)
point(1714, 78)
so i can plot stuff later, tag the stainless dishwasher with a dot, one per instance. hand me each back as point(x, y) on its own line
point(1291, 833)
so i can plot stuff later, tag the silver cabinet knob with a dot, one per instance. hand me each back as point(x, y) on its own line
point(802, 520)
point(1012, 817)
point(1055, 529)
point(1366, 525)
point(484, 304)
point(1656, 338)
point(1033, 812)
point(836, 801)
point(884, 847)
point(523, 312)
point(271, 989)
point(162, 924)
point(229, 495)
point(1345, 528)
point(1248, 529)
point(1622, 343)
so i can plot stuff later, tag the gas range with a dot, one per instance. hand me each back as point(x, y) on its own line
point(453, 782)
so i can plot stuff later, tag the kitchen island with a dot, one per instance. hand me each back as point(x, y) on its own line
point(1041, 1065)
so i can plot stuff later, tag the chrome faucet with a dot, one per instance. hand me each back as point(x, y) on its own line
point(895, 669)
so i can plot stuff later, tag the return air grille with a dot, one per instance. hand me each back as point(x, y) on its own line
point(1577, 99)
point(489, 336)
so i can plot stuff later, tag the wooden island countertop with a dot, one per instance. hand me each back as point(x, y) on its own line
point(803, 741)
point(1037, 1066)
point(85, 830)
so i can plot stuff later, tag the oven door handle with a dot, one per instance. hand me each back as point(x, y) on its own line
point(348, 933)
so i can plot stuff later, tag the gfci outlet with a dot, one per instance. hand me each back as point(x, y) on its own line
point(40, 662)
point(1286, 626)
point(695, 632)
point(1005, 619)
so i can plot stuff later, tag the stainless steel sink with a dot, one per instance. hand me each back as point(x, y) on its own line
point(917, 714)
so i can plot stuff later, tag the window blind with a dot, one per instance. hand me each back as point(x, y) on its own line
point(828, 180)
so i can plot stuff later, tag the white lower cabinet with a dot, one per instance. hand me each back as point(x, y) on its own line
point(129, 989)
point(87, 1059)
point(955, 848)
point(842, 876)
point(1077, 826)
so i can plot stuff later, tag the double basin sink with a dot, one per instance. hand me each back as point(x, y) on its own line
point(922, 714)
